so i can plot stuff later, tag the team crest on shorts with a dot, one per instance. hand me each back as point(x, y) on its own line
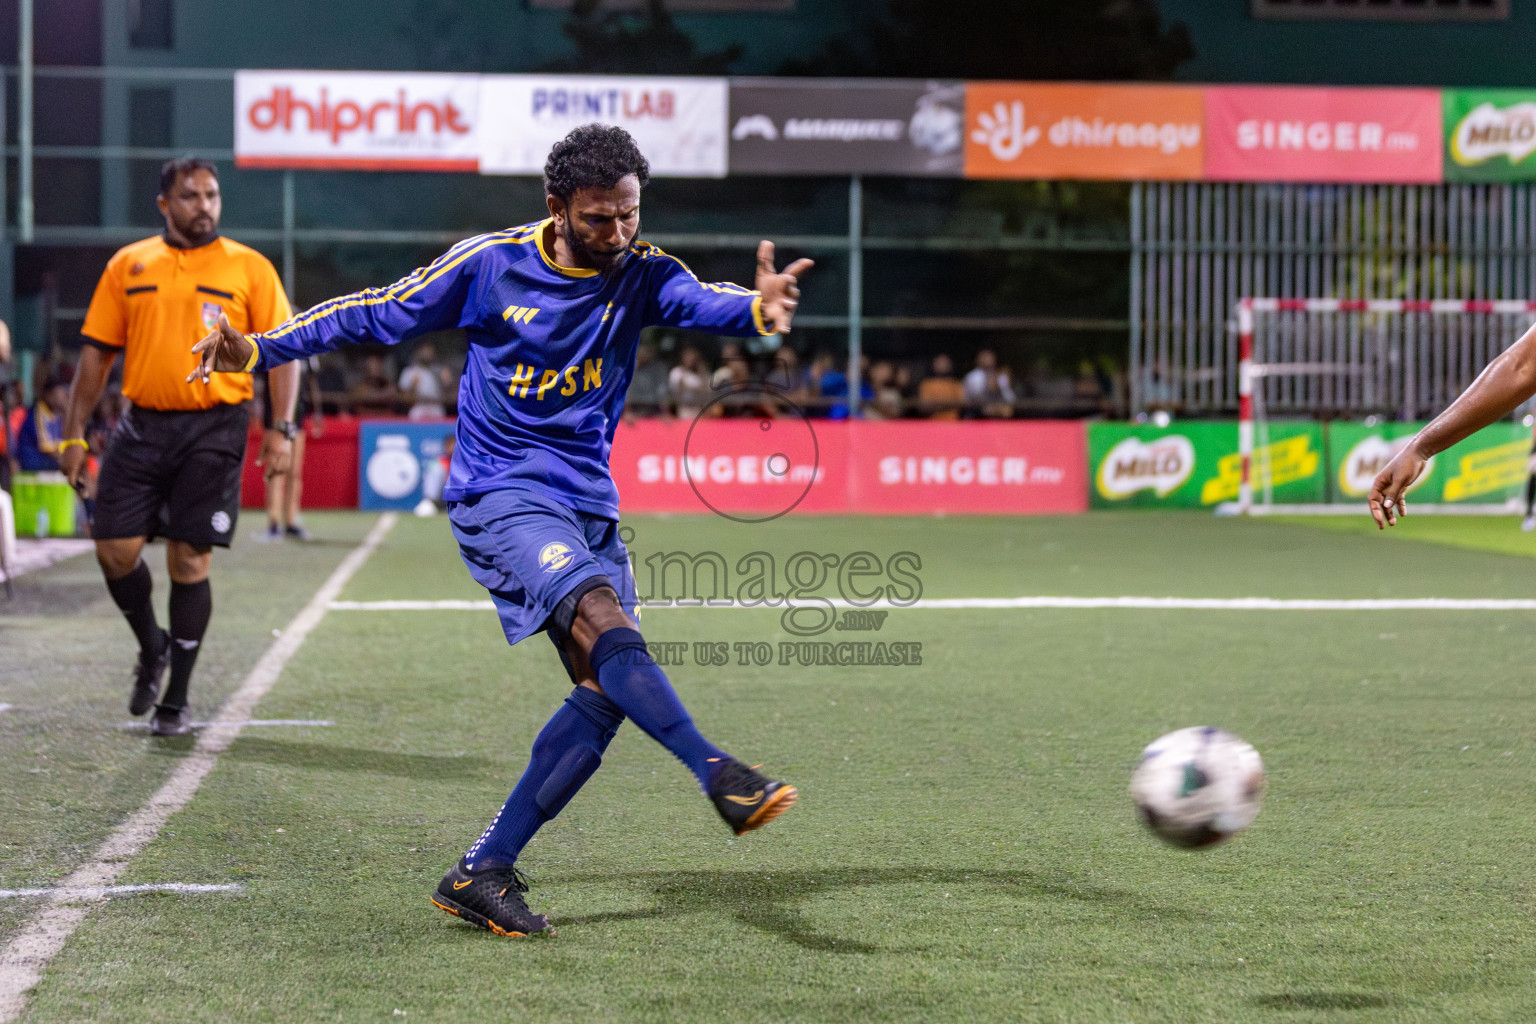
point(211, 311)
point(554, 557)
point(220, 521)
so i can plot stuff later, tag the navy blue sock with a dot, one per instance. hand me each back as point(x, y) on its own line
point(567, 751)
point(632, 680)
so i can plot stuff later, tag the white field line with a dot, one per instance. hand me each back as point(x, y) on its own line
point(314, 722)
point(24, 957)
point(96, 893)
point(1239, 604)
point(5, 707)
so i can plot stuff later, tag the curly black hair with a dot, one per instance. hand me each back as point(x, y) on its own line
point(593, 156)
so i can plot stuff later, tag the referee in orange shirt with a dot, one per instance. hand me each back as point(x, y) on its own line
point(172, 467)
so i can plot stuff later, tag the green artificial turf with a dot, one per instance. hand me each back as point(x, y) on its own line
point(964, 848)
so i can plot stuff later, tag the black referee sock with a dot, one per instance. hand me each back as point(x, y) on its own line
point(133, 594)
point(191, 608)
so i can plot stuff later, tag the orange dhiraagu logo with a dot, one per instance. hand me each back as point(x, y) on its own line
point(1116, 132)
point(746, 801)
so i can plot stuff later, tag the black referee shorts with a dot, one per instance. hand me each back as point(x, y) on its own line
point(174, 475)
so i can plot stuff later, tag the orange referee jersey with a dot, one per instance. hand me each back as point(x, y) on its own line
point(155, 301)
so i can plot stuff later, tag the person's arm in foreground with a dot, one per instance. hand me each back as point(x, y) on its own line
point(1498, 390)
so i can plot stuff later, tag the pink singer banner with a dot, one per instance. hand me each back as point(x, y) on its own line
point(753, 469)
point(1263, 133)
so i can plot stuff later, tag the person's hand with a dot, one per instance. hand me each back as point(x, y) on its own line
point(72, 462)
point(780, 289)
point(1387, 501)
point(276, 452)
point(224, 350)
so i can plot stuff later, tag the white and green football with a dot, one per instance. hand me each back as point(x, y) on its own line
point(1198, 786)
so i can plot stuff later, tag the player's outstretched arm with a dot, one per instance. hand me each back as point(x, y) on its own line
point(1504, 384)
point(224, 350)
point(780, 289)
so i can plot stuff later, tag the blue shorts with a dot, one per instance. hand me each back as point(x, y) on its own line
point(530, 552)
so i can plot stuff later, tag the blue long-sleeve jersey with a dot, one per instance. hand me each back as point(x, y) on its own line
point(551, 352)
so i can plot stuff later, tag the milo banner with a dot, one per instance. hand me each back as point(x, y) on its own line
point(1489, 467)
point(1490, 134)
point(1197, 464)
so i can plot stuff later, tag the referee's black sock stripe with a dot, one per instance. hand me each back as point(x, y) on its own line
point(191, 608)
point(133, 594)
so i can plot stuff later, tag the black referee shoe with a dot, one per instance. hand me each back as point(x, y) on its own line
point(491, 899)
point(147, 676)
point(748, 800)
point(171, 721)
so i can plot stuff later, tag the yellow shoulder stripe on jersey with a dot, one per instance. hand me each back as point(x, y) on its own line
point(374, 296)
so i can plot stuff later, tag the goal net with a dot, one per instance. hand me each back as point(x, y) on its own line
point(1360, 376)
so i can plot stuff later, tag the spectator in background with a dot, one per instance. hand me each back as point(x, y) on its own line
point(834, 385)
point(732, 371)
point(647, 394)
point(7, 385)
point(905, 383)
point(689, 384)
point(886, 401)
point(940, 395)
point(374, 394)
point(285, 490)
point(988, 390)
point(332, 381)
point(424, 384)
point(788, 377)
point(37, 442)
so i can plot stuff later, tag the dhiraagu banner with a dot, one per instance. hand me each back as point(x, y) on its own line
point(1488, 467)
point(1197, 464)
point(1490, 134)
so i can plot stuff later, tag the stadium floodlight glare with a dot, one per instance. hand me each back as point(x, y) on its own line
point(1346, 365)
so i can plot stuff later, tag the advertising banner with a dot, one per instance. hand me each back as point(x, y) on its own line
point(1197, 465)
point(738, 469)
point(1107, 132)
point(1262, 133)
point(680, 123)
point(1489, 467)
point(399, 462)
point(1490, 134)
point(847, 126)
point(353, 120)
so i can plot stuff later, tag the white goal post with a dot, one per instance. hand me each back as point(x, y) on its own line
point(1367, 375)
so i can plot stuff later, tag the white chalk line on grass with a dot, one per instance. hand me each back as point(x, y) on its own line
point(24, 957)
point(59, 894)
point(314, 722)
point(5, 707)
point(1239, 604)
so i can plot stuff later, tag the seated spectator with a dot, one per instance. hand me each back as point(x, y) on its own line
point(834, 385)
point(647, 394)
point(940, 394)
point(374, 394)
point(425, 384)
point(688, 384)
point(788, 377)
point(37, 442)
point(988, 391)
point(886, 401)
point(732, 371)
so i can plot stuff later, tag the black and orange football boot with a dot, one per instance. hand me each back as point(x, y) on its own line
point(491, 899)
point(748, 800)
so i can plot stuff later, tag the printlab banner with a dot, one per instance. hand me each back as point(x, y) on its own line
point(841, 126)
point(1490, 135)
point(1109, 132)
point(1261, 133)
point(1197, 465)
point(1489, 467)
point(347, 120)
point(679, 123)
point(740, 469)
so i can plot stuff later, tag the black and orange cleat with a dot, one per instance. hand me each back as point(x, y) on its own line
point(147, 675)
point(491, 899)
point(748, 800)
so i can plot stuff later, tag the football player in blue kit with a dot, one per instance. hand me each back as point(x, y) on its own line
point(553, 312)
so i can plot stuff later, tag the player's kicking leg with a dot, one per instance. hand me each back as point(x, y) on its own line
point(518, 550)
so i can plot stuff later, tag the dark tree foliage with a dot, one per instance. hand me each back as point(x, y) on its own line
point(1086, 40)
point(636, 43)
